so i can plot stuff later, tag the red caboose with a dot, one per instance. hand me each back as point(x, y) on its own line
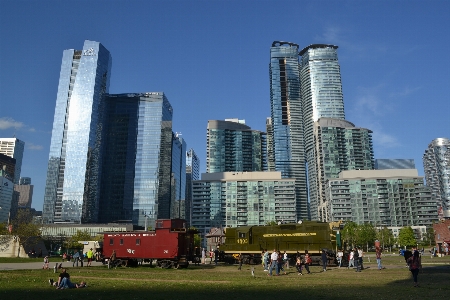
point(170, 244)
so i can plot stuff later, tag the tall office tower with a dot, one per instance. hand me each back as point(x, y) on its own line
point(287, 120)
point(13, 147)
point(6, 194)
point(9, 163)
point(436, 164)
point(386, 163)
point(25, 194)
point(74, 166)
point(178, 177)
point(192, 173)
point(339, 146)
point(24, 180)
point(269, 148)
point(233, 146)
point(136, 173)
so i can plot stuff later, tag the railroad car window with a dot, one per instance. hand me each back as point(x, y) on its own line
point(242, 234)
point(138, 241)
point(111, 241)
point(121, 241)
point(288, 227)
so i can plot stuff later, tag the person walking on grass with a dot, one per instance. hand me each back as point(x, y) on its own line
point(378, 255)
point(340, 255)
point(356, 259)
point(266, 260)
point(415, 264)
point(324, 260)
point(45, 266)
point(240, 258)
point(351, 260)
point(307, 261)
point(273, 263)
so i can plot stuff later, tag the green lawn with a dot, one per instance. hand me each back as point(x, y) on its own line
point(226, 282)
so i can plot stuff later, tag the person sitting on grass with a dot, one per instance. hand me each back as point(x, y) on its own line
point(61, 276)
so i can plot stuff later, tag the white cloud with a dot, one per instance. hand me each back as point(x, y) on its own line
point(6, 123)
point(32, 146)
point(384, 140)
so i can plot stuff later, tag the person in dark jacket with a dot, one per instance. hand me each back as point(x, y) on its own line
point(356, 259)
point(324, 260)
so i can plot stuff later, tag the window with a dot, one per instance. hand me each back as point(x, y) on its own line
point(138, 241)
point(111, 241)
point(121, 241)
point(242, 234)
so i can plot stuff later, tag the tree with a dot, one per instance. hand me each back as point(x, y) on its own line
point(366, 234)
point(350, 233)
point(72, 242)
point(429, 237)
point(23, 228)
point(385, 236)
point(406, 237)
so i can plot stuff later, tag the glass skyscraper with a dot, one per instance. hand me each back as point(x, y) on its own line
point(74, 167)
point(287, 120)
point(233, 146)
point(436, 164)
point(178, 177)
point(14, 148)
point(137, 162)
point(192, 173)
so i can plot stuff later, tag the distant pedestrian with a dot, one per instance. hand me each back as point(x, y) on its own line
point(76, 257)
point(324, 260)
point(266, 259)
point(298, 265)
point(351, 260)
point(240, 258)
point(356, 259)
point(216, 256)
point(360, 257)
point(340, 255)
point(273, 263)
point(378, 255)
point(45, 266)
point(308, 261)
point(415, 264)
point(286, 260)
point(90, 256)
point(203, 255)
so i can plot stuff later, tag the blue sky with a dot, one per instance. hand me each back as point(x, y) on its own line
point(211, 59)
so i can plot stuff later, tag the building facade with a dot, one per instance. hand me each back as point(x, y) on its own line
point(232, 199)
point(25, 194)
point(192, 174)
point(382, 164)
point(14, 148)
point(392, 198)
point(269, 148)
point(339, 146)
point(137, 159)
point(74, 167)
point(436, 165)
point(6, 195)
point(287, 120)
point(232, 146)
point(9, 164)
point(178, 180)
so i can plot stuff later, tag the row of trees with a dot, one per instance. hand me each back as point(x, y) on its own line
point(366, 234)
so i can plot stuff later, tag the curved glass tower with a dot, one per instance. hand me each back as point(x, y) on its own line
point(287, 120)
point(436, 164)
point(73, 175)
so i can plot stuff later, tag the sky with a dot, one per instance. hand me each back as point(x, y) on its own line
point(211, 59)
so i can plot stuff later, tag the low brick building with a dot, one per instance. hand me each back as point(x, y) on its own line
point(442, 235)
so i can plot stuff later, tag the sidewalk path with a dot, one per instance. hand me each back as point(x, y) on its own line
point(38, 265)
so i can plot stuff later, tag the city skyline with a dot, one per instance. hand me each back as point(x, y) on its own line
point(221, 72)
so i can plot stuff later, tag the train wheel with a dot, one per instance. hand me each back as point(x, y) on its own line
point(175, 265)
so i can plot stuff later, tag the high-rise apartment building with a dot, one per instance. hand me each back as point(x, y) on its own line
point(287, 120)
point(391, 197)
point(24, 180)
point(386, 163)
point(137, 159)
point(270, 155)
point(14, 148)
point(192, 174)
point(339, 146)
point(74, 167)
point(436, 165)
point(232, 146)
point(232, 199)
point(25, 194)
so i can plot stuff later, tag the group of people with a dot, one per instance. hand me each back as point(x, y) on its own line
point(278, 262)
point(79, 257)
point(64, 282)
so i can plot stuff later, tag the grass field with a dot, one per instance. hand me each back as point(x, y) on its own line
point(226, 282)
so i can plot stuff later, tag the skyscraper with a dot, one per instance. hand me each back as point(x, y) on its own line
point(137, 159)
point(436, 164)
point(13, 147)
point(6, 194)
point(387, 163)
point(287, 120)
point(233, 146)
point(74, 167)
point(270, 156)
point(192, 173)
point(178, 177)
point(339, 146)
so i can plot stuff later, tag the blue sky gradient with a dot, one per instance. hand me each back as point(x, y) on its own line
point(211, 58)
